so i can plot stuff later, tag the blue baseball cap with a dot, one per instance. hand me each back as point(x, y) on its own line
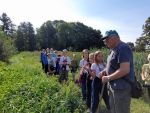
point(108, 33)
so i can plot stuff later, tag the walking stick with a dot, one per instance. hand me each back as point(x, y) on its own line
point(101, 95)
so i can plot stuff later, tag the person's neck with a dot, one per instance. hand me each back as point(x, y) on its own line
point(85, 59)
point(117, 43)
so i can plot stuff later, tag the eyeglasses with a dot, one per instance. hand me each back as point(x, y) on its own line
point(105, 40)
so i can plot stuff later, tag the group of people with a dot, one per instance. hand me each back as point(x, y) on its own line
point(95, 74)
point(58, 64)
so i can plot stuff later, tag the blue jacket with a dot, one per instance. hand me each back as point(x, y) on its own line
point(44, 58)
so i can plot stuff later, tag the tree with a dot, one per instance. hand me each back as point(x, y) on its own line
point(65, 32)
point(131, 45)
point(7, 26)
point(140, 44)
point(46, 35)
point(143, 42)
point(7, 48)
point(25, 39)
point(74, 35)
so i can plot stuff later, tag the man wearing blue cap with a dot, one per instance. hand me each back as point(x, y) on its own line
point(119, 64)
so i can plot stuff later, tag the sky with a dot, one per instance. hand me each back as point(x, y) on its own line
point(125, 16)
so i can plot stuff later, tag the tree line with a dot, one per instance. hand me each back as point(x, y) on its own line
point(58, 34)
point(74, 36)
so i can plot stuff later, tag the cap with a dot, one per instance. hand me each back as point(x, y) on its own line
point(148, 56)
point(51, 49)
point(108, 33)
point(65, 50)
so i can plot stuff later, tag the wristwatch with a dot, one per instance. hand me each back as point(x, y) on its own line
point(108, 77)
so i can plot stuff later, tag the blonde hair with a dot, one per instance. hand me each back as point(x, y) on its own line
point(74, 55)
point(91, 54)
point(95, 58)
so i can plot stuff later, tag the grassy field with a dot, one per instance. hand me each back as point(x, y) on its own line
point(24, 88)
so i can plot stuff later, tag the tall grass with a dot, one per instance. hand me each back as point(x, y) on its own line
point(24, 87)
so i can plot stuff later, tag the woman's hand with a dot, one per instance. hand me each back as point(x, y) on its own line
point(102, 73)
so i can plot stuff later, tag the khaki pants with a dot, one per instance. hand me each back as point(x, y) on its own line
point(63, 75)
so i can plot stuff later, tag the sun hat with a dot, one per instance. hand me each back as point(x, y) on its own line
point(108, 33)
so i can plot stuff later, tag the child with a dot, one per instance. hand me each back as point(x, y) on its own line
point(54, 55)
point(51, 65)
point(64, 63)
point(74, 67)
point(58, 67)
point(89, 80)
point(83, 72)
point(44, 59)
point(96, 68)
point(41, 58)
point(146, 77)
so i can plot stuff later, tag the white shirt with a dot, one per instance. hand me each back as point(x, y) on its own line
point(54, 64)
point(97, 68)
point(67, 59)
point(82, 63)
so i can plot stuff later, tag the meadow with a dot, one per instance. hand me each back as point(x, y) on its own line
point(24, 87)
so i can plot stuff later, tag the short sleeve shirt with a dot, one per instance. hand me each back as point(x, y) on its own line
point(82, 63)
point(122, 53)
point(65, 59)
point(97, 68)
point(146, 69)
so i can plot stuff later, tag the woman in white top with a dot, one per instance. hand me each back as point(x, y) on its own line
point(83, 72)
point(96, 68)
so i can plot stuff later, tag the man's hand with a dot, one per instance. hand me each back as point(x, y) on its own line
point(105, 79)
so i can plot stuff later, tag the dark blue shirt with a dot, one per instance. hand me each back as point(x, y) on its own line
point(121, 53)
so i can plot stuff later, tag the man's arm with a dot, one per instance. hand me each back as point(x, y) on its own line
point(122, 71)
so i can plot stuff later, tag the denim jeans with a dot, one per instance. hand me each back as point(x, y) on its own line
point(96, 90)
point(83, 90)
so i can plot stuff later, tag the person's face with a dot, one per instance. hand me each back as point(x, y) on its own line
point(47, 50)
point(91, 59)
point(65, 53)
point(100, 57)
point(51, 51)
point(85, 54)
point(109, 41)
point(43, 50)
point(49, 56)
point(74, 57)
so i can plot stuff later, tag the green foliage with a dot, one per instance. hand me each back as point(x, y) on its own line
point(7, 48)
point(60, 34)
point(45, 37)
point(7, 26)
point(25, 88)
point(131, 45)
point(143, 42)
point(25, 39)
